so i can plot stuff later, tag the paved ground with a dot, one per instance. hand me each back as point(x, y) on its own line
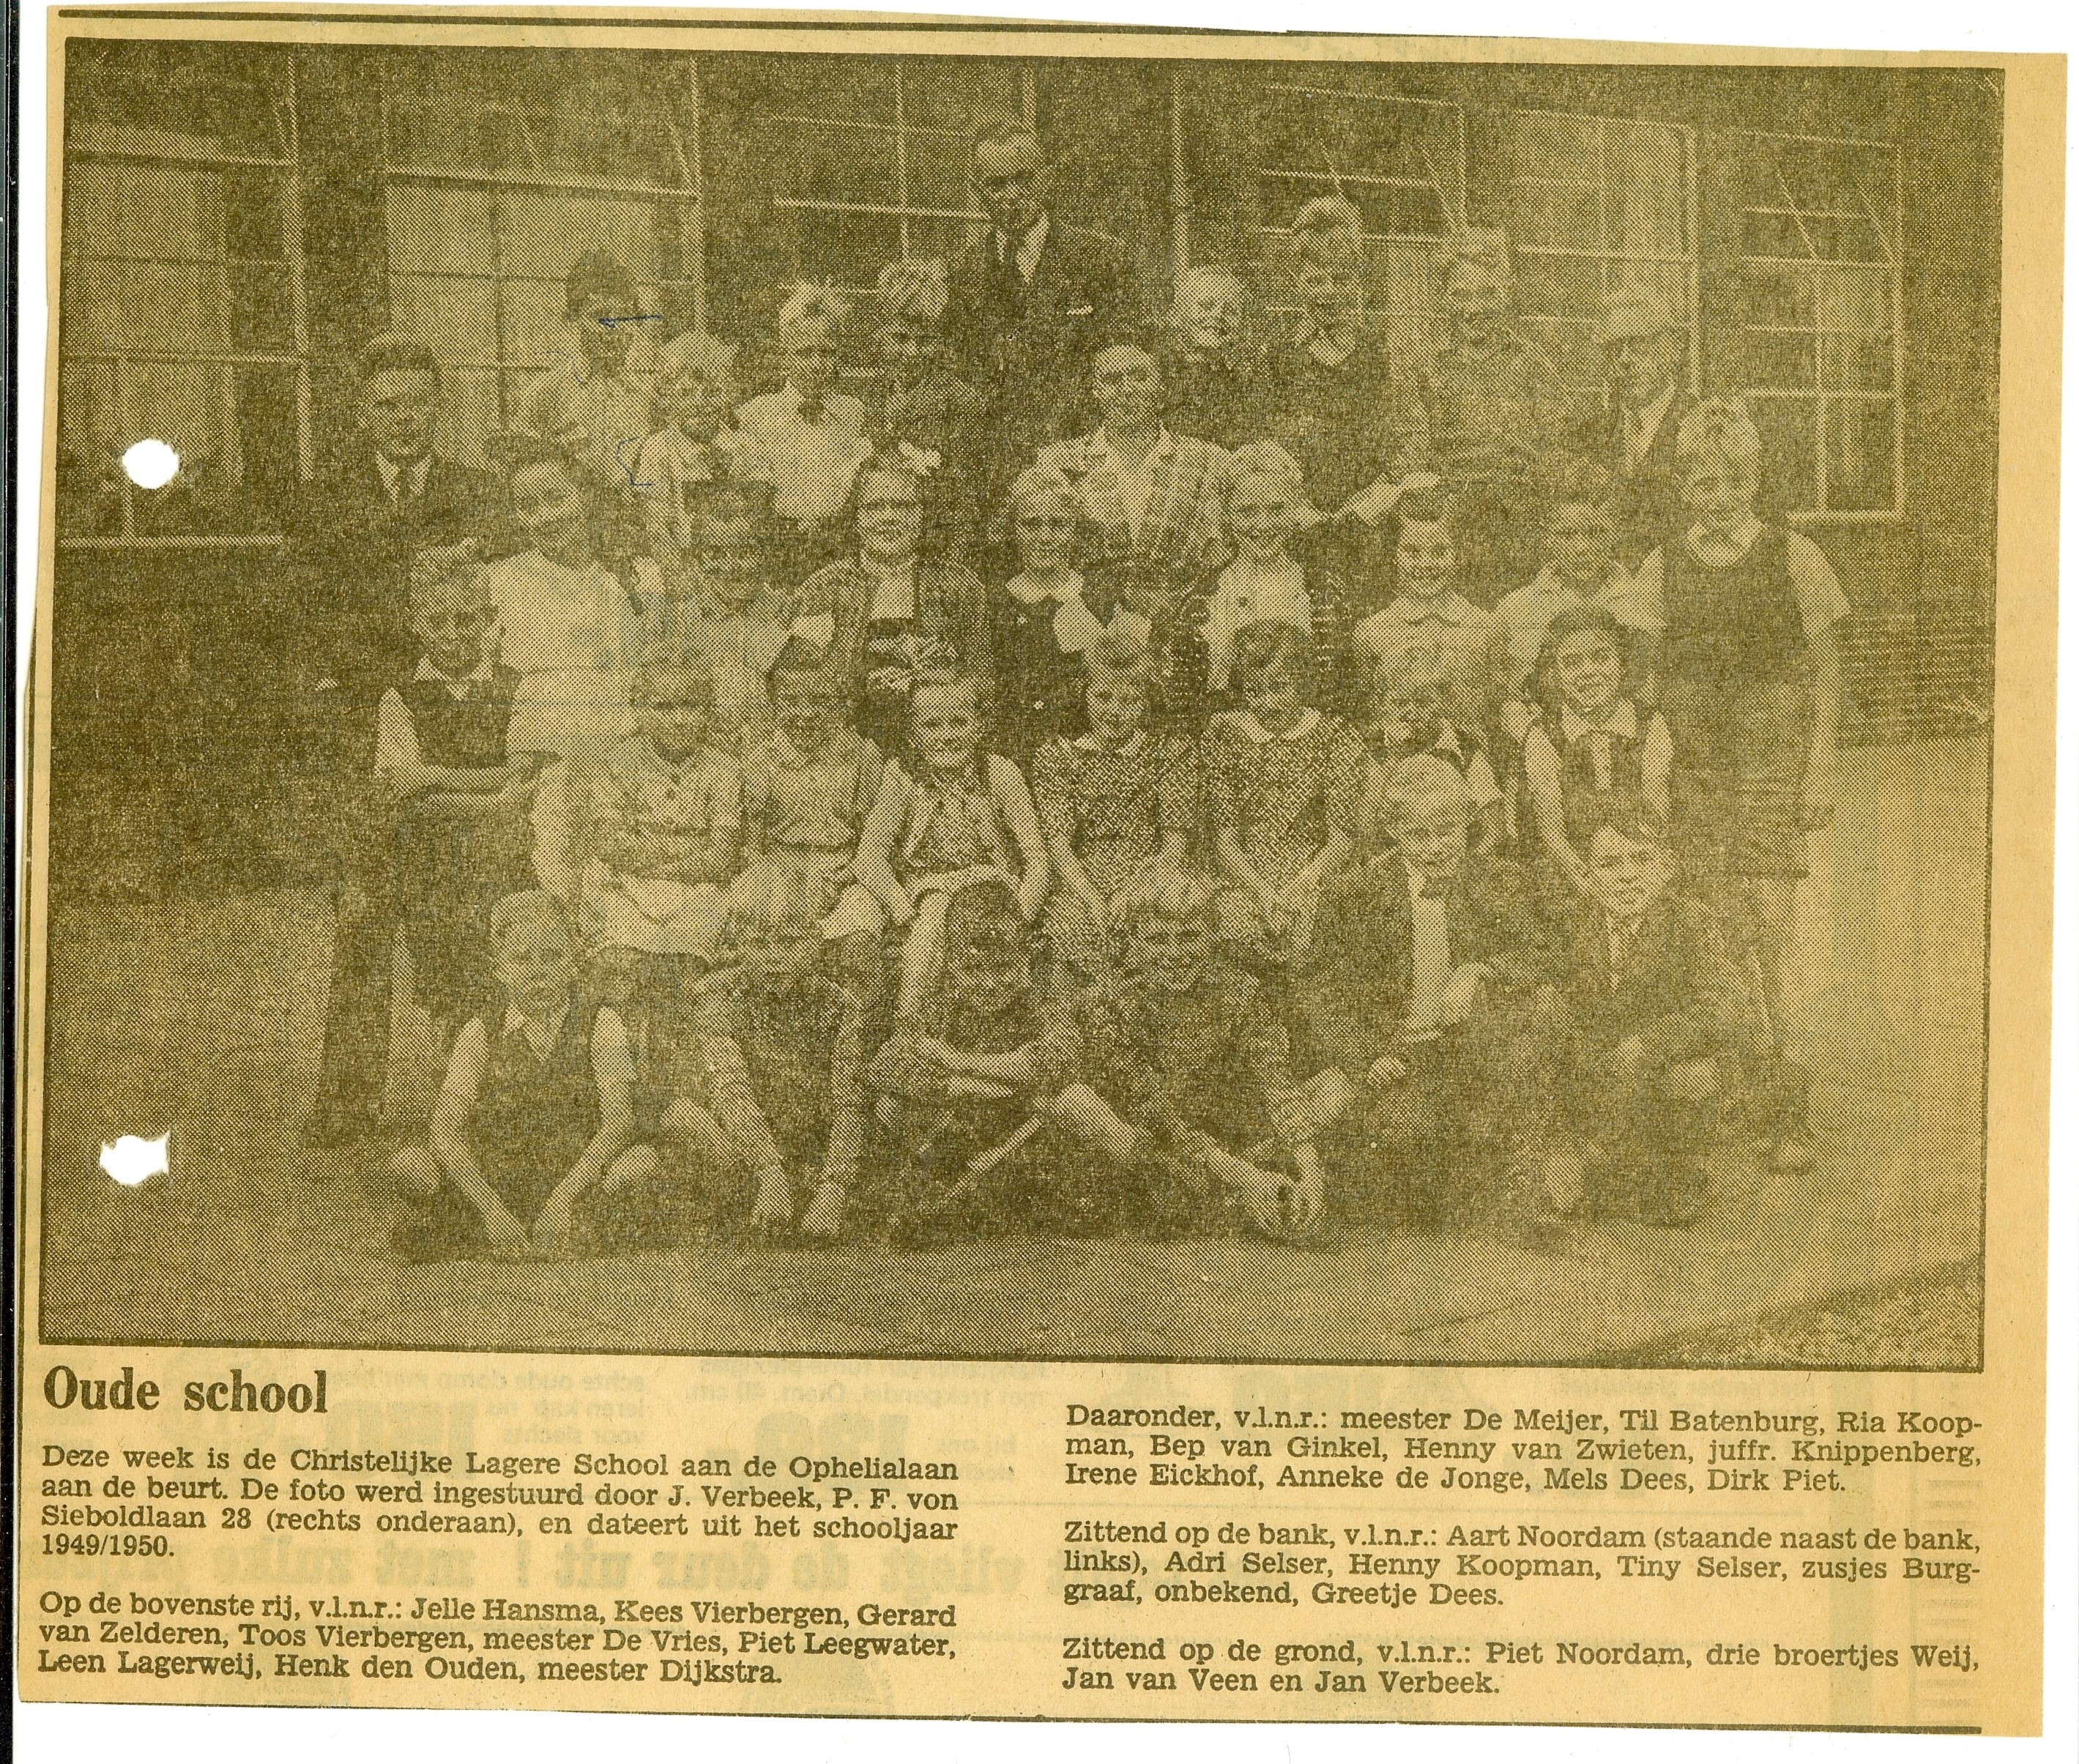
point(203, 1015)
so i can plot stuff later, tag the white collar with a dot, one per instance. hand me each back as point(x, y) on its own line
point(1090, 744)
point(1027, 593)
point(1644, 423)
point(415, 474)
point(426, 670)
point(1623, 720)
point(1246, 721)
point(1031, 243)
point(1417, 882)
point(1739, 541)
point(1287, 573)
point(1448, 743)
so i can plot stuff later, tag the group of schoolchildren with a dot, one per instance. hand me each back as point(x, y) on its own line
point(1169, 831)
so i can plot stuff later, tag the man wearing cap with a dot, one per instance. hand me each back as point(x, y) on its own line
point(1030, 299)
point(354, 537)
point(1644, 343)
point(596, 404)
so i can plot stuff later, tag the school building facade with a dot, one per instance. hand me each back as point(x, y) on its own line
point(238, 218)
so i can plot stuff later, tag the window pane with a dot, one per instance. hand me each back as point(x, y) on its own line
point(848, 249)
point(1860, 455)
point(436, 228)
point(458, 318)
point(1776, 295)
point(1557, 214)
point(263, 317)
point(829, 163)
point(956, 94)
point(543, 233)
point(1569, 288)
point(1858, 364)
point(1779, 361)
point(1790, 451)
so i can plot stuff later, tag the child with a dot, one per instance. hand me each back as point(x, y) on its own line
point(596, 405)
point(877, 611)
point(1427, 988)
point(964, 1091)
point(1412, 714)
point(1187, 1070)
point(1428, 617)
point(723, 612)
point(1579, 570)
point(1751, 688)
point(772, 1079)
point(697, 390)
point(807, 439)
point(1208, 364)
point(1269, 580)
point(642, 843)
point(1049, 617)
point(1498, 415)
point(1661, 1024)
point(1110, 802)
point(952, 815)
point(458, 806)
point(534, 1113)
point(1590, 738)
point(929, 410)
point(569, 624)
point(1284, 783)
point(808, 788)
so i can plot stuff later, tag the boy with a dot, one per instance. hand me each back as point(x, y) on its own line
point(1426, 987)
point(929, 410)
point(725, 613)
point(537, 1108)
point(1427, 616)
point(1188, 1070)
point(1411, 714)
point(963, 1091)
point(1661, 1024)
point(1208, 364)
point(596, 405)
point(456, 805)
point(769, 1081)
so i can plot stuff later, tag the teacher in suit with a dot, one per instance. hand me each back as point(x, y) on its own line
point(1028, 300)
point(1644, 345)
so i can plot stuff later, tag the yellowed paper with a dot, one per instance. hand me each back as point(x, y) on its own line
point(1348, 1332)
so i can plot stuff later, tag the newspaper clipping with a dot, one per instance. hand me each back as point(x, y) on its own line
point(891, 869)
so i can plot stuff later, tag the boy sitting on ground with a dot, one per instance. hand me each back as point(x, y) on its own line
point(537, 1108)
point(1662, 1026)
point(1426, 987)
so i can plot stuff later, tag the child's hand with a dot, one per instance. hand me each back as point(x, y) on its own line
point(1386, 1071)
point(1302, 1199)
point(773, 1210)
point(1261, 1192)
point(825, 1216)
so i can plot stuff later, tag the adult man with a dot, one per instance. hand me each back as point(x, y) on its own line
point(354, 538)
point(1644, 343)
point(1027, 301)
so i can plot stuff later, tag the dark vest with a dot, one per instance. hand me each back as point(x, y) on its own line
point(1579, 785)
point(1738, 625)
point(462, 731)
point(534, 1117)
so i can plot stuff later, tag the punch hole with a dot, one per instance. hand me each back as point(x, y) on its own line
point(150, 465)
point(132, 1161)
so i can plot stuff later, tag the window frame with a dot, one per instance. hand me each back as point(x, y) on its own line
point(1890, 246)
point(503, 364)
point(283, 86)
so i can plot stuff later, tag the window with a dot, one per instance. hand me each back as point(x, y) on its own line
point(500, 172)
point(181, 293)
point(1400, 162)
point(1593, 204)
point(870, 155)
point(1815, 339)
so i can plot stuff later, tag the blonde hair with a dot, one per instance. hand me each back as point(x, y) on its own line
point(912, 288)
point(1266, 459)
point(1719, 429)
point(1425, 780)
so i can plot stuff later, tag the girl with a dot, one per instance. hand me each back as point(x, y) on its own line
point(1496, 415)
point(875, 611)
point(643, 842)
point(570, 624)
point(1284, 787)
point(1751, 687)
point(807, 439)
point(1110, 802)
point(808, 788)
point(697, 389)
point(952, 815)
point(928, 409)
point(1590, 738)
point(1049, 617)
point(1267, 581)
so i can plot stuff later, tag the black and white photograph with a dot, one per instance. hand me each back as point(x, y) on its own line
point(1292, 707)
